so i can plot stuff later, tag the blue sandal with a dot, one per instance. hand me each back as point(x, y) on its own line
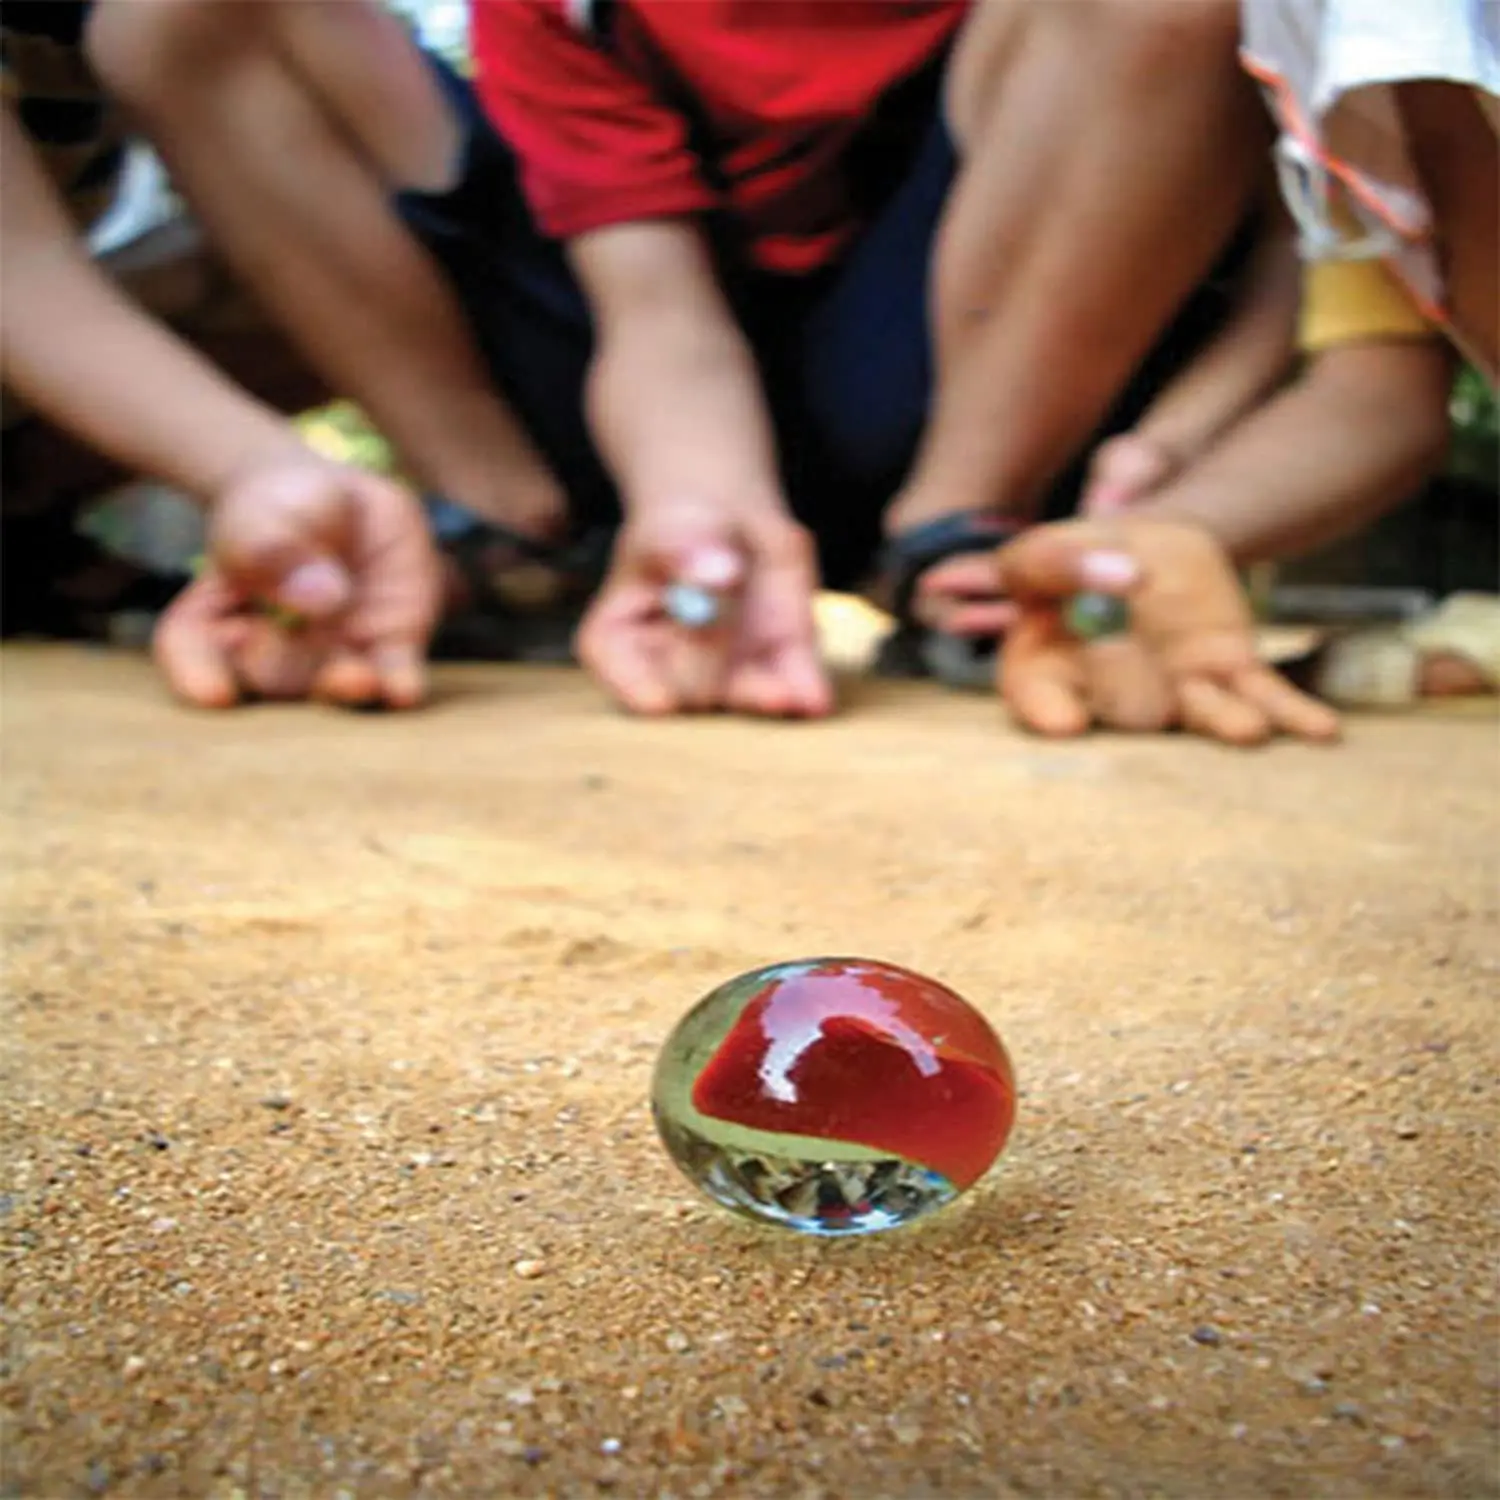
point(913, 649)
point(526, 597)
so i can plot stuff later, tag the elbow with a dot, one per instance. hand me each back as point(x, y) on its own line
point(144, 54)
point(130, 49)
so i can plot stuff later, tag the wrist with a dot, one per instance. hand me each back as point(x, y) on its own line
point(682, 493)
point(276, 445)
point(1204, 512)
point(680, 418)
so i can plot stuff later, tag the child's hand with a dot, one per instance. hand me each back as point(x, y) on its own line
point(958, 595)
point(1189, 659)
point(321, 582)
point(759, 656)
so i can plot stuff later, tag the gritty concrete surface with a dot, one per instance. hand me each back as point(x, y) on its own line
point(328, 1169)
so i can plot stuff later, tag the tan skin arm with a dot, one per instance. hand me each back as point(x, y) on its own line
point(674, 395)
point(75, 348)
point(1359, 432)
point(676, 406)
point(1252, 353)
point(1457, 156)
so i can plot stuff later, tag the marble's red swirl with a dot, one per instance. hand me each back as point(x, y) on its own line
point(857, 1051)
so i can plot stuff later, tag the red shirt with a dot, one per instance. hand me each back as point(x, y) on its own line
point(780, 88)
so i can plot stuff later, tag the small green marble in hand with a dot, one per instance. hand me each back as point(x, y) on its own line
point(286, 619)
point(1092, 617)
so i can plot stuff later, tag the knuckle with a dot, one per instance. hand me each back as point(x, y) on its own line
point(788, 542)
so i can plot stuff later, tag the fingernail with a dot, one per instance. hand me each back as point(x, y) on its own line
point(711, 568)
point(314, 588)
point(1108, 570)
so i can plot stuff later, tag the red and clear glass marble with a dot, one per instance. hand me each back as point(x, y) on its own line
point(834, 1096)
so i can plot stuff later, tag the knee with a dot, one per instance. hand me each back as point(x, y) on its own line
point(1150, 42)
point(1136, 45)
point(147, 55)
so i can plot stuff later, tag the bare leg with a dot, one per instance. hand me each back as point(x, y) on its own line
point(1109, 147)
point(1457, 155)
point(288, 124)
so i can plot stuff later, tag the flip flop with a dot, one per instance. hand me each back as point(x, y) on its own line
point(916, 650)
point(1381, 666)
point(526, 596)
point(50, 553)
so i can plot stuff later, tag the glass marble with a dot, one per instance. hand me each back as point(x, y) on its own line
point(696, 608)
point(1092, 617)
point(833, 1096)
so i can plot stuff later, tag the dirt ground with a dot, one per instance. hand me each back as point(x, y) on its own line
point(328, 1169)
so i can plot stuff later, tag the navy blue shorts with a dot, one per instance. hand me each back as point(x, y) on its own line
point(845, 353)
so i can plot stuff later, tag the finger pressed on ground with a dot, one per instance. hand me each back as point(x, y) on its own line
point(191, 657)
point(349, 679)
point(1042, 682)
point(1217, 712)
point(1287, 707)
point(402, 672)
point(1127, 688)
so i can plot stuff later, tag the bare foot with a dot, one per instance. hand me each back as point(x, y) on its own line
point(1443, 674)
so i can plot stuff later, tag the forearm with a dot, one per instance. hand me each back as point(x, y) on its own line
point(349, 284)
point(77, 351)
point(1359, 433)
point(676, 408)
point(1058, 267)
point(1249, 356)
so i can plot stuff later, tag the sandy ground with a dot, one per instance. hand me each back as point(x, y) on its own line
point(328, 1169)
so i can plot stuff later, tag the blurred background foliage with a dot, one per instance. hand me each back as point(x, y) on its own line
point(1476, 430)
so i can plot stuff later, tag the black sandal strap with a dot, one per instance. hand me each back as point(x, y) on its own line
point(910, 554)
point(584, 556)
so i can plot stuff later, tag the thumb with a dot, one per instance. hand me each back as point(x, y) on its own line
point(714, 566)
point(685, 540)
point(280, 548)
point(1052, 563)
point(316, 587)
